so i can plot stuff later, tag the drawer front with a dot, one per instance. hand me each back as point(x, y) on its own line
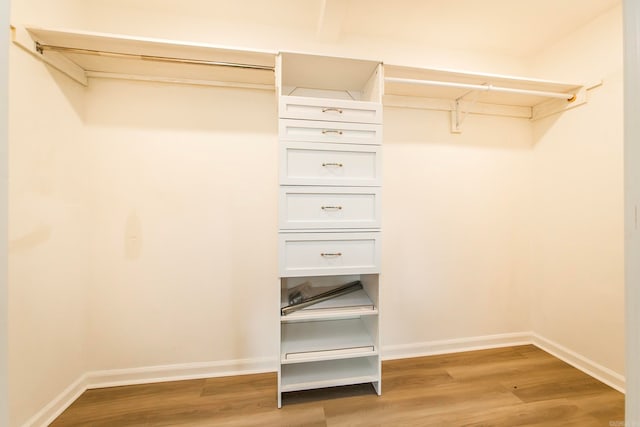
point(321, 131)
point(329, 207)
point(309, 163)
point(321, 254)
point(334, 110)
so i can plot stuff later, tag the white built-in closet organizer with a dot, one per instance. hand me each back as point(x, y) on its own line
point(330, 136)
point(330, 131)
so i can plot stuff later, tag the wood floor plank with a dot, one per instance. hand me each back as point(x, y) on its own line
point(513, 386)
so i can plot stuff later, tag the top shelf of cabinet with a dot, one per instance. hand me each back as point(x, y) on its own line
point(316, 76)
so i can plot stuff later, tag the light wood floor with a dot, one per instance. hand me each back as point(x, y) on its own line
point(514, 386)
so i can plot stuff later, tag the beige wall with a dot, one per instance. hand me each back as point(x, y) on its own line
point(143, 215)
point(48, 235)
point(577, 280)
point(199, 217)
point(215, 22)
point(58, 13)
point(184, 192)
point(48, 254)
point(184, 204)
point(451, 205)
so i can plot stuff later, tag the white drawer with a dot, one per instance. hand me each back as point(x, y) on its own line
point(335, 110)
point(312, 163)
point(322, 254)
point(321, 131)
point(329, 207)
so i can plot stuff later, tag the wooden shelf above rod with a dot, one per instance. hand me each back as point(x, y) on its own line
point(82, 55)
point(462, 93)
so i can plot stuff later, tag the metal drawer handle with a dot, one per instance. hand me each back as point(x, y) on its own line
point(337, 208)
point(329, 254)
point(339, 165)
point(326, 131)
point(337, 110)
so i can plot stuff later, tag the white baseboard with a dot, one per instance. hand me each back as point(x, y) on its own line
point(152, 374)
point(458, 345)
point(186, 371)
point(53, 409)
point(589, 367)
point(147, 374)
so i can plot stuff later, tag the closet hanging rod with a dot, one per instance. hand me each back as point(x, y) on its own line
point(42, 47)
point(487, 88)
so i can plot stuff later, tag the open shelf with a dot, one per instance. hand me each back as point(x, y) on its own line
point(329, 374)
point(325, 340)
point(317, 76)
point(363, 302)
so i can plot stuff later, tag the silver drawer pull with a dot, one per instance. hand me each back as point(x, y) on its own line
point(326, 131)
point(337, 110)
point(334, 208)
point(329, 254)
point(338, 165)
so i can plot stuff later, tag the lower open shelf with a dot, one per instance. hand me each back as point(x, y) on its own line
point(329, 373)
point(324, 340)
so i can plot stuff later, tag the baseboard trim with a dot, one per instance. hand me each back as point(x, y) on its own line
point(144, 375)
point(163, 373)
point(589, 367)
point(53, 409)
point(186, 371)
point(432, 348)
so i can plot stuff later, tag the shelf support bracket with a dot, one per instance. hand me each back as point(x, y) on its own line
point(458, 114)
point(21, 38)
point(457, 118)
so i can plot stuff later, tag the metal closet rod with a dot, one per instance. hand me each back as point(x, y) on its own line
point(42, 47)
point(560, 95)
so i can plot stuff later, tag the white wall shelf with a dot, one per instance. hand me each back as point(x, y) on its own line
point(462, 93)
point(453, 86)
point(82, 55)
